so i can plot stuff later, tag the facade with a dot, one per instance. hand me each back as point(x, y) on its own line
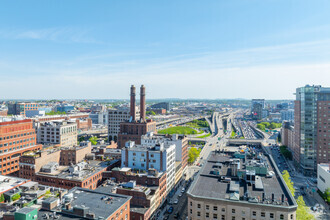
point(257, 108)
point(16, 137)
point(287, 115)
point(287, 136)
point(161, 105)
point(160, 157)
point(132, 131)
point(312, 134)
point(180, 142)
point(84, 124)
point(117, 116)
point(75, 154)
point(228, 187)
point(323, 176)
point(99, 117)
point(20, 108)
point(80, 203)
point(62, 133)
point(64, 108)
point(3, 112)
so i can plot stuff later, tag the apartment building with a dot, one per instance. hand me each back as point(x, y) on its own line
point(16, 137)
point(257, 108)
point(312, 127)
point(62, 133)
point(160, 157)
point(244, 187)
point(287, 136)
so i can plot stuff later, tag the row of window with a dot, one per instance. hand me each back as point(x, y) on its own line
point(15, 148)
point(16, 136)
point(233, 211)
point(16, 142)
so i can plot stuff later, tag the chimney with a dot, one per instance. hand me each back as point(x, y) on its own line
point(282, 198)
point(132, 105)
point(143, 103)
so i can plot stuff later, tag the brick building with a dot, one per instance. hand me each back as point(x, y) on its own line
point(82, 203)
point(16, 137)
point(3, 112)
point(75, 154)
point(133, 129)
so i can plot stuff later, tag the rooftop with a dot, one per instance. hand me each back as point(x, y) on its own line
point(248, 179)
point(8, 182)
point(325, 167)
point(94, 203)
point(78, 172)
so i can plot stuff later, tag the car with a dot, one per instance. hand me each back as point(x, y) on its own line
point(180, 194)
point(170, 210)
point(183, 189)
point(176, 201)
point(176, 215)
point(170, 202)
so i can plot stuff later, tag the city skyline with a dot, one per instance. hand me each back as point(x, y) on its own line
point(186, 50)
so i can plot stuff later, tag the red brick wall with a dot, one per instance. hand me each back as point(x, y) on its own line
point(323, 132)
point(13, 135)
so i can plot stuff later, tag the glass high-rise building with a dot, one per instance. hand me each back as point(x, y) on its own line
point(312, 127)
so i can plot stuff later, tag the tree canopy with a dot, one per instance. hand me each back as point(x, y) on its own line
point(193, 154)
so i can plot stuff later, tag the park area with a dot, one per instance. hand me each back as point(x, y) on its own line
point(190, 128)
point(179, 130)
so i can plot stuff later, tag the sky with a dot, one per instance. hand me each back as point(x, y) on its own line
point(210, 49)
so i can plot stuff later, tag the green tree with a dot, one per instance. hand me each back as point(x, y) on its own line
point(2, 198)
point(16, 197)
point(81, 139)
point(261, 127)
point(302, 210)
point(287, 180)
point(193, 154)
point(93, 140)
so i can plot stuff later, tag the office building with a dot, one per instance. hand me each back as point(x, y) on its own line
point(80, 203)
point(21, 108)
point(161, 105)
point(312, 133)
point(64, 108)
point(246, 185)
point(62, 133)
point(257, 108)
point(160, 157)
point(133, 129)
point(16, 137)
point(117, 116)
point(287, 115)
point(99, 117)
point(323, 176)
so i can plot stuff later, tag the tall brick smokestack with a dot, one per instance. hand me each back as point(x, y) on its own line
point(132, 105)
point(143, 103)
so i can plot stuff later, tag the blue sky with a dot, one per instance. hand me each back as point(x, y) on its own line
point(178, 49)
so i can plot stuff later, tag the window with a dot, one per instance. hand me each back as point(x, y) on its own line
point(190, 203)
point(271, 215)
point(281, 216)
point(233, 211)
point(215, 216)
point(223, 217)
point(198, 213)
point(215, 208)
point(207, 215)
point(233, 218)
point(207, 207)
point(263, 214)
point(223, 209)
point(291, 216)
point(199, 206)
point(254, 213)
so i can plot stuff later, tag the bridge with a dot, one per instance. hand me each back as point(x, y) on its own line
point(246, 141)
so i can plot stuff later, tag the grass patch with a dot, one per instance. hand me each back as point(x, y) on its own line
point(204, 136)
point(178, 130)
